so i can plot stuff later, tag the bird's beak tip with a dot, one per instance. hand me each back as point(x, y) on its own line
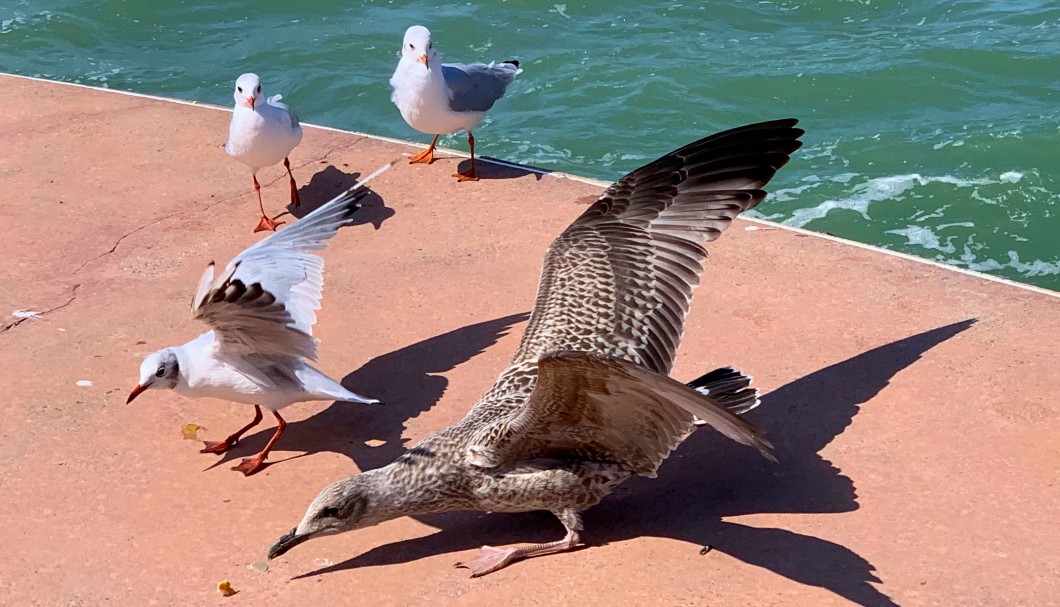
point(250, 102)
point(423, 59)
point(285, 543)
point(137, 391)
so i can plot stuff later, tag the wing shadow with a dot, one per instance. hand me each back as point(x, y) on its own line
point(684, 503)
point(329, 183)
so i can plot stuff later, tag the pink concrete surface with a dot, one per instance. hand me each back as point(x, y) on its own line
point(918, 450)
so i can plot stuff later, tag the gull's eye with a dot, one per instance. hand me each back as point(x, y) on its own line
point(239, 89)
point(259, 88)
point(161, 371)
point(330, 512)
point(412, 46)
point(430, 45)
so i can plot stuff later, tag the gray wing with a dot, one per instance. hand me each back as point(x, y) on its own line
point(619, 280)
point(589, 406)
point(476, 87)
point(265, 303)
point(276, 102)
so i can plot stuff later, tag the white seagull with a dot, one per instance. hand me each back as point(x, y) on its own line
point(261, 311)
point(261, 135)
point(438, 99)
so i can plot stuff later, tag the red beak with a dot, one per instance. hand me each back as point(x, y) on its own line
point(423, 59)
point(250, 102)
point(136, 392)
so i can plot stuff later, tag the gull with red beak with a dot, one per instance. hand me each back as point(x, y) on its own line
point(261, 311)
point(440, 98)
point(261, 134)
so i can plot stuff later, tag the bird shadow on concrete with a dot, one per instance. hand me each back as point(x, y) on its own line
point(708, 479)
point(408, 383)
point(488, 167)
point(329, 183)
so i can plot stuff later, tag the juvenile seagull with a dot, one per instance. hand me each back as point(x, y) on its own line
point(261, 311)
point(262, 134)
point(587, 402)
point(440, 98)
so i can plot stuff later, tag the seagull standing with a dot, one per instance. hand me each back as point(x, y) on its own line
point(440, 98)
point(261, 311)
point(261, 135)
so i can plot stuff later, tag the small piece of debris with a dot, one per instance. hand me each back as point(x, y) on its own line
point(190, 431)
point(84, 383)
point(225, 588)
point(259, 566)
point(705, 549)
point(752, 228)
point(374, 443)
point(141, 343)
point(25, 314)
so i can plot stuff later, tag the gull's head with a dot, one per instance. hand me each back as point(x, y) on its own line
point(160, 370)
point(417, 46)
point(247, 91)
point(344, 505)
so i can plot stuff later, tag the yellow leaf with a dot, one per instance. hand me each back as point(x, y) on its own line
point(189, 431)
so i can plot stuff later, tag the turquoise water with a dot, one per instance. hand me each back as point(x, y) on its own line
point(932, 127)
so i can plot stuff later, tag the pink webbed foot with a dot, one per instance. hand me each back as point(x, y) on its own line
point(490, 559)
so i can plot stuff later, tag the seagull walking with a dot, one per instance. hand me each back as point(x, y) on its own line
point(261, 311)
point(261, 134)
point(440, 98)
point(587, 402)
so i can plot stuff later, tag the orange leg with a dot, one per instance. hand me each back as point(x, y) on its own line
point(265, 223)
point(470, 174)
point(222, 446)
point(253, 465)
point(426, 156)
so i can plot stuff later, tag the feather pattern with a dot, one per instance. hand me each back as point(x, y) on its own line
point(616, 287)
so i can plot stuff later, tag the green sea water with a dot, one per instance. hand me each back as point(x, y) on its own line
point(932, 126)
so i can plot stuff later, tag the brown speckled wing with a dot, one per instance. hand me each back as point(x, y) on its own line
point(594, 407)
point(619, 280)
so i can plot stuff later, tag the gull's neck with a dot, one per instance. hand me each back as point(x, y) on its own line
point(416, 484)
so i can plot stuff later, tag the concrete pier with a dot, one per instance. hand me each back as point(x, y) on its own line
point(915, 409)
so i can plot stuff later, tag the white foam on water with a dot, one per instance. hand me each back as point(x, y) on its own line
point(891, 187)
point(923, 236)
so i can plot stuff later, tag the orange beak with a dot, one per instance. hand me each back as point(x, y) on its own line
point(139, 389)
point(423, 59)
point(250, 102)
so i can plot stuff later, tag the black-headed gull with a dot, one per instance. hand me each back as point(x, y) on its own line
point(261, 135)
point(261, 311)
point(438, 99)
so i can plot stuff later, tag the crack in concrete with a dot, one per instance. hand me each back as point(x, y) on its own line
point(199, 207)
point(13, 324)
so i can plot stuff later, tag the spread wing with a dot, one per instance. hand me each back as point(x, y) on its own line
point(266, 300)
point(619, 280)
point(601, 408)
point(476, 87)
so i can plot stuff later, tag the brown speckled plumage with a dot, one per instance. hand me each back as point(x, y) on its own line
point(587, 401)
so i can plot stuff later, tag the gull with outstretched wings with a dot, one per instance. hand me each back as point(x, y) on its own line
point(261, 310)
